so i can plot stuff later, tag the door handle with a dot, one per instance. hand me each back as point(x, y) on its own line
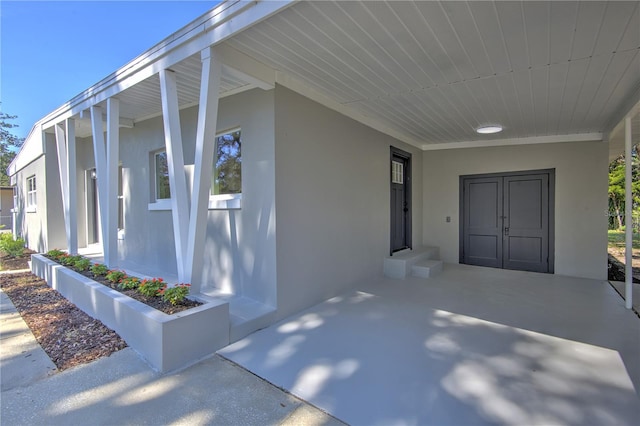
point(506, 231)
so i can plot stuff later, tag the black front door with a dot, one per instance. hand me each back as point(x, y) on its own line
point(400, 200)
point(506, 221)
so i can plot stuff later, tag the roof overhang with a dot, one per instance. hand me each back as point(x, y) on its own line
point(426, 73)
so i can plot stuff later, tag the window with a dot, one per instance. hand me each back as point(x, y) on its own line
point(31, 192)
point(397, 172)
point(162, 176)
point(227, 169)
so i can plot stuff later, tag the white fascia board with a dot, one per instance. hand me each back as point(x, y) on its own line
point(210, 29)
point(630, 107)
point(32, 149)
point(306, 91)
point(579, 137)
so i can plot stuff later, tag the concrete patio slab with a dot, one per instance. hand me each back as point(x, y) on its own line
point(635, 296)
point(122, 389)
point(472, 346)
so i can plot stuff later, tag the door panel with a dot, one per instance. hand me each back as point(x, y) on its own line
point(526, 207)
point(400, 200)
point(482, 222)
point(506, 220)
point(397, 217)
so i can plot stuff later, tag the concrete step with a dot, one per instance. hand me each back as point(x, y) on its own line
point(246, 316)
point(399, 264)
point(426, 268)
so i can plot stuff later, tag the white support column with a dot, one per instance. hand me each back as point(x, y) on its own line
point(72, 185)
point(100, 158)
point(205, 147)
point(113, 153)
point(175, 161)
point(66, 147)
point(628, 211)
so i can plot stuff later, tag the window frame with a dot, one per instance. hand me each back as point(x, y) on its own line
point(225, 201)
point(155, 156)
point(31, 194)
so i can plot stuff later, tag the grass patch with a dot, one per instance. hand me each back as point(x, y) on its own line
point(616, 239)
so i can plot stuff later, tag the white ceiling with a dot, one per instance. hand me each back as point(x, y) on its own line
point(430, 72)
point(434, 71)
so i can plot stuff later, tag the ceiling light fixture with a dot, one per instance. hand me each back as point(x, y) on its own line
point(489, 129)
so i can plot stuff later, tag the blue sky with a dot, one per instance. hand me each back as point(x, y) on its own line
point(52, 50)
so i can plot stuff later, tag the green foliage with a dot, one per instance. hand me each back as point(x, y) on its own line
point(99, 269)
point(9, 143)
point(10, 246)
point(151, 287)
point(176, 294)
point(617, 189)
point(115, 276)
point(129, 283)
point(228, 166)
point(55, 254)
point(616, 238)
point(70, 260)
point(82, 264)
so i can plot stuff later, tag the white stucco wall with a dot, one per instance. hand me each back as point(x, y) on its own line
point(333, 201)
point(580, 198)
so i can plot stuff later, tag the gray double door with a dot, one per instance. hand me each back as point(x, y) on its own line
point(507, 220)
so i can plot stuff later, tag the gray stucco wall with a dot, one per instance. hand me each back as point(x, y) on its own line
point(42, 228)
point(333, 201)
point(580, 198)
point(56, 233)
point(239, 253)
point(6, 205)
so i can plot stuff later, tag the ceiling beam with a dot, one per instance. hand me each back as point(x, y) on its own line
point(580, 137)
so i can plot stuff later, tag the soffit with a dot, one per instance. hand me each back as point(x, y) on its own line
point(143, 100)
point(434, 71)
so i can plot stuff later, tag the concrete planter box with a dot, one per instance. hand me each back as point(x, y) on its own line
point(167, 342)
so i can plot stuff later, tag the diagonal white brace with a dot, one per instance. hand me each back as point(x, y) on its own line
point(100, 158)
point(66, 147)
point(112, 151)
point(106, 159)
point(205, 148)
point(175, 160)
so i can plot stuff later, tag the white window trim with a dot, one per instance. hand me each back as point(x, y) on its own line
point(155, 176)
point(225, 202)
point(161, 204)
point(31, 207)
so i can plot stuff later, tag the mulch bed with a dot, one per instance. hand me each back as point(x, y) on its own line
point(68, 335)
point(616, 271)
point(8, 263)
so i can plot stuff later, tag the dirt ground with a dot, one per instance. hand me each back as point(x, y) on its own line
point(618, 253)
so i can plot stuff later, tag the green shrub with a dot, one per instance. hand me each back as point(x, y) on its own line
point(82, 265)
point(70, 260)
point(152, 287)
point(55, 254)
point(115, 276)
point(9, 245)
point(129, 283)
point(175, 295)
point(99, 269)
